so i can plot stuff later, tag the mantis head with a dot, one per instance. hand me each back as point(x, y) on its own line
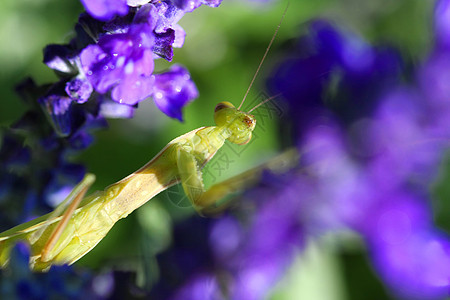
point(239, 124)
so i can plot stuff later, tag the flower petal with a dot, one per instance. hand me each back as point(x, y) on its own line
point(105, 10)
point(173, 90)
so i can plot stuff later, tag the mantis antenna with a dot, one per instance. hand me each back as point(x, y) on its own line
point(263, 102)
point(264, 56)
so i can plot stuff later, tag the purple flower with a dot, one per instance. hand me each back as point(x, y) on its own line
point(105, 10)
point(123, 61)
point(173, 90)
point(116, 60)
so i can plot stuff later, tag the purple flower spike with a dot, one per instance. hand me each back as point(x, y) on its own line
point(105, 10)
point(173, 90)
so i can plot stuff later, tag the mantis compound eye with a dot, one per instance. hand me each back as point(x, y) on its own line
point(223, 105)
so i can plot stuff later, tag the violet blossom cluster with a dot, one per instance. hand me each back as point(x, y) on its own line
point(104, 72)
point(115, 59)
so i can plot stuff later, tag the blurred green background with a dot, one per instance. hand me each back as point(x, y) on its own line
point(222, 50)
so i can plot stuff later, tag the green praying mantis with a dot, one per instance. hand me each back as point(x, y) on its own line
point(79, 223)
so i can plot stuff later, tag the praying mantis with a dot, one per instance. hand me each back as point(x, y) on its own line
point(79, 223)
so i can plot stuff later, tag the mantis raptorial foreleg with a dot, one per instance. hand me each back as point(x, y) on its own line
point(209, 201)
point(191, 177)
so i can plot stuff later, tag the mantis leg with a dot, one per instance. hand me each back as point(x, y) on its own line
point(208, 201)
point(191, 178)
point(74, 198)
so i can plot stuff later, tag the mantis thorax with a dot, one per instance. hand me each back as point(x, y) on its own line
point(239, 124)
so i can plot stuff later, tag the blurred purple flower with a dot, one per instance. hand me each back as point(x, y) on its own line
point(372, 167)
point(105, 10)
point(60, 282)
point(330, 66)
point(200, 287)
point(404, 244)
